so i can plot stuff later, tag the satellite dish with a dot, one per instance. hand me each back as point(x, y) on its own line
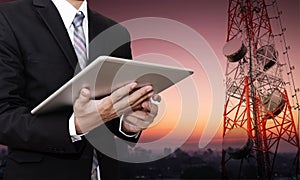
point(267, 55)
point(274, 104)
point(237, 143)
point(234, 50)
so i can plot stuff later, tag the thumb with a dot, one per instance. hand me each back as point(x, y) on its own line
point(84, 96)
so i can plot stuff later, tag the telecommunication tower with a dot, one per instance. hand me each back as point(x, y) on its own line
point(259, 82)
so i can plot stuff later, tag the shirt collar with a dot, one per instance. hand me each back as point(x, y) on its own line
point(67, 11)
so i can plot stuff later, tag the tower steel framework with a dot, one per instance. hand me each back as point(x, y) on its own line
point(259, 81)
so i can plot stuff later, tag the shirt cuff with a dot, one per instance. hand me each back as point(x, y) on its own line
point(72, 130)
point(136, 135)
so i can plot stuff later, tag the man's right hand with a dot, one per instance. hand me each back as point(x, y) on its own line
point(89, 114)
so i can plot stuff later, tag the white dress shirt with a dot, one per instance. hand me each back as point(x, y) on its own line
point(68, 12)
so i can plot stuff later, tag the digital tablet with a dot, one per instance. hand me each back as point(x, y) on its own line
point(106, 74)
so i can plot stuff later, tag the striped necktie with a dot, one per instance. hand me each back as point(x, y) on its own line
point(95, 169)
point(79, 40)
point(80, 49)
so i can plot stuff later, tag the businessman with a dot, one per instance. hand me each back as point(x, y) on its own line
point(43, 43)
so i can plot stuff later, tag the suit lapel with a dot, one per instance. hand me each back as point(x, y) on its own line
point(97, 44)
point(53, 21)
point(94, 27)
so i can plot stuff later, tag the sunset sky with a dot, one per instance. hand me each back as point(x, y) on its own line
point(209, 19)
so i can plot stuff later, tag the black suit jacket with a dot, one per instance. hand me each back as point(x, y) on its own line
point(36, 58)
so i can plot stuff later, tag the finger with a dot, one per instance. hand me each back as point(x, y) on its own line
point(141, 100)
point(140, 120)
point(84, 96)
point(138, 115)
point(134, 100)
point(131, 128)
point(137, 107)
point(142, 117)
point(153, 110)
point(146, 106)
point(140, 95)
point(156, 97)
point(123, 91)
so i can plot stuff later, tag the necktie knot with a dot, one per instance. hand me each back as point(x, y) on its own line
point(78, 19)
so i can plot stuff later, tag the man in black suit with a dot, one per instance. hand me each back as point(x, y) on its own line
point(36, 58)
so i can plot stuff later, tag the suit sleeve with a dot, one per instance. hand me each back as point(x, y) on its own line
point(18, 127)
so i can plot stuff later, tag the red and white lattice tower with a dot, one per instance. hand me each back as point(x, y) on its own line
point(259, 81)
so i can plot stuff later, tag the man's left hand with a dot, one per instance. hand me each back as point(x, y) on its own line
point(141, 117)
